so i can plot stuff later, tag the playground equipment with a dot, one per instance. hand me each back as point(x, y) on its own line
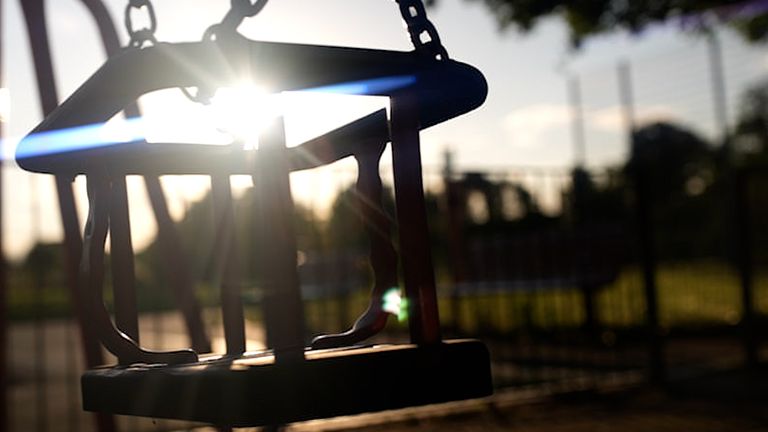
point(289, 382)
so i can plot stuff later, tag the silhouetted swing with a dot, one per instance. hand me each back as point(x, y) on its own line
point(288, 382)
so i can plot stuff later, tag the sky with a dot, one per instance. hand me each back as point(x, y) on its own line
point(526, 120)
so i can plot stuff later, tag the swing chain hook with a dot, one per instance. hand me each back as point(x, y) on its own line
point(247, 9)
point(140, 36)
point(423, 33)
point(238, 11)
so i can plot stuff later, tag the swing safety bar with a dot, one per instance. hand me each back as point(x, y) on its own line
point(440, 89)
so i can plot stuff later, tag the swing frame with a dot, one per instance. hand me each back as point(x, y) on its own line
point(288, 383)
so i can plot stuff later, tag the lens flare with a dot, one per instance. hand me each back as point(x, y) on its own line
point(377, 86)
point(244, 111)
point(240, 111)
point(81, 138)
point(395, 304)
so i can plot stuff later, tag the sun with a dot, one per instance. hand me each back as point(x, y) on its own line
point(243, 111)
point(239, 113)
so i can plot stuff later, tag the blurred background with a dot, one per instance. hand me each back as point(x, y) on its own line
point(600, 222)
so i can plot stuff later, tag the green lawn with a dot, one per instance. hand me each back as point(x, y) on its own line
point(690, 293)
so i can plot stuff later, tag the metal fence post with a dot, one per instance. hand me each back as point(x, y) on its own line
point(656, 363)
point(744, 262)
point(644, 218)
point(3, 286)
point(38, 36)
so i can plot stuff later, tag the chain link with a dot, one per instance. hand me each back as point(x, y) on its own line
point(247, 9)
point(423, 33)
point(238, 11)
point(143, 35)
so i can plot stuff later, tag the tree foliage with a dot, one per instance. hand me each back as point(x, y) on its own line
point(677, 161)
point(751, 132)
point(590, 17)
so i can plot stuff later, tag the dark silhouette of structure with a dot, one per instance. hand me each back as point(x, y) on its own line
point(289, 382)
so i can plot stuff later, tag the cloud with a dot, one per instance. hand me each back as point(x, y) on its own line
point(611, 119)
point(544, 131)
point(527, 126)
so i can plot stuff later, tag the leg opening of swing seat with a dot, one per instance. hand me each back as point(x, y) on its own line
point(253, 391)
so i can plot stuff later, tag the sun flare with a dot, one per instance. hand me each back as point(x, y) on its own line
point(240, 113)
point(244, 111)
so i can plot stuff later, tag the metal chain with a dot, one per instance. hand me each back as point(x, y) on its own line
point(143, 35)
point(423, 33)
point(238, 11)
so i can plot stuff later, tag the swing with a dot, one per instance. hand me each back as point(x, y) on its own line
point(337, 374)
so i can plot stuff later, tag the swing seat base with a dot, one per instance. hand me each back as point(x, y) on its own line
point(254, 391)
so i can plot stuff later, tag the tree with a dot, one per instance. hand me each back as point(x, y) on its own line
point(590, 17)
point(43, 261)
point(679, 176)
point(589, 202)
point(751, 132)
point(750, 142)
point(676, 162)
point(198, 234)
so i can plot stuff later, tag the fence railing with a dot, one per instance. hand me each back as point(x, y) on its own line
point(558, 292)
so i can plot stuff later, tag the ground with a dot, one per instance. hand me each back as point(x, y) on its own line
point(624, 411)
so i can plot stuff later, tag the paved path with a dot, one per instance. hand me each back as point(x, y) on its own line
point(45, 364)
point(635, 411)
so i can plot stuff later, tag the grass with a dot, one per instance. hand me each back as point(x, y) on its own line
point(690, 294)
point(699, 293)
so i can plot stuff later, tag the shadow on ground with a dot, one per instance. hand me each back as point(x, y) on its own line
point(732, 400)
